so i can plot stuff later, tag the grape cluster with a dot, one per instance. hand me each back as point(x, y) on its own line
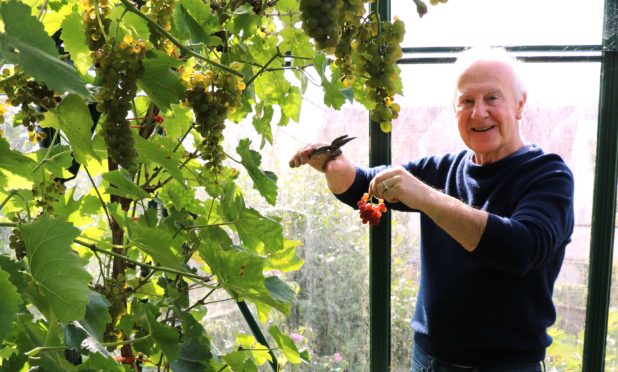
point(378, 54)
point(212, 96)
point(92, 27)
point(33, 98)
point(119, 67)
point(369, 211)
point(436, 2)
point(16, 242)
point(47, 194)
point(350, 18)
point(320, 20)
point(159, 11)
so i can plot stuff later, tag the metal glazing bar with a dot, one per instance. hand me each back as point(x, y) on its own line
point(517, 48)
point(552, 59)
point(380, 248)
point(604, 202)
point(257, 332)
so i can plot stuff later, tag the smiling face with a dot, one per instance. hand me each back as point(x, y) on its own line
point(488, 108)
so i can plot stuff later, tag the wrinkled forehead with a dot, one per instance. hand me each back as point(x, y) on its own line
point(486, 76)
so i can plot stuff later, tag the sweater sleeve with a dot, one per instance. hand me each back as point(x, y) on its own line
point(541, 224)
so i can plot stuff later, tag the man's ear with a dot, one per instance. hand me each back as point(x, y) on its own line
point(520, 106)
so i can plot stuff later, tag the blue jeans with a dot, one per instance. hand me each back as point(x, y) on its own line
point(421, 362)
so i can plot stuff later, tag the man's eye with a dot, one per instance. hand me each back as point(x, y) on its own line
point(492, 98)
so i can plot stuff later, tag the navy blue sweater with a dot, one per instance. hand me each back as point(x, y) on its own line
point(491, 306)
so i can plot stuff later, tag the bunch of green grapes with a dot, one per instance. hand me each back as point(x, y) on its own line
point(16, 241)
point(350, 18)
point(92, 26)
point(47, 194)
point(33, 98)
point(320, 20)
point(159, 11)
point(119, 67)
point(378, 54)
point(212, 96)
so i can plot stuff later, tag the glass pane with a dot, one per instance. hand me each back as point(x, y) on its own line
point(330, 315)
point(611, 347)
point(502, 22)
point(559, 120)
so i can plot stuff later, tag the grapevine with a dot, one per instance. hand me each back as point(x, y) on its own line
point(379, 52)
point(32, 98)
point(212, 96)
point(92, 28)
point(160, 11)
point(119, 67)
point(47, 194)
point(369, 211)
point(320, 21)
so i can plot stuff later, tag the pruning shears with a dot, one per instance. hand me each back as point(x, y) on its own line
point(331, 151)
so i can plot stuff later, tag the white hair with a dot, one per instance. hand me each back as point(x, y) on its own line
point(491, 54)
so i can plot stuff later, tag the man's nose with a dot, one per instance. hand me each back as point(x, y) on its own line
point(479, 110)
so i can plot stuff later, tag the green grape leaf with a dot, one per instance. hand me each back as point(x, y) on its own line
point(240, 272)
point(265, 184)
point(73, 118)
point(25, 43)
point(121, 184)
point(262, 119)
point(279, 289)
point(156, 243)
point(152, 152)
point(14, 161)
point(195, 18)
point(159, 81)
point(16, 275)
point(244, 21)
point(75, 42)
point(290, 106)
point(9, 304)
point(286, 345)
point(58, 160)
point(130, 23)
point(177, 122)
point(297, 42)
point(165, 336)
point(333, 97)
point(195, 346)
point(286, 259)
point(257, 232)
point(56, 270)
point(97, 316)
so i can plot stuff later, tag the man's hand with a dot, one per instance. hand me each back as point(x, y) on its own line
point(320, 155)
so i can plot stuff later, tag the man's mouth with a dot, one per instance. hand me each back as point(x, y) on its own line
point(483, 129)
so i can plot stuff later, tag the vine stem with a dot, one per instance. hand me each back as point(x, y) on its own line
point(96, 189)
point(93, 247)
point(171, 38)
point(8, 197)
point(40, 349)
point(277, 55)
point(100, 21)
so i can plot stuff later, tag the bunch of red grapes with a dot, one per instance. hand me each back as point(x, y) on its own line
point(369, 211)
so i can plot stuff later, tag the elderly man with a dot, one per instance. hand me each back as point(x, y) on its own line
point(495, 220)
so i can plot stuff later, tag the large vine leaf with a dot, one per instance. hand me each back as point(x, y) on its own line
point(73, 118)
point(195, 346)
point(97, 316)
point(150, 152)
point(57, 272)
point(265, 183)
point(158, 80)
point(194, 18)
point(262, 118)
point(333, 97)
point(240, 272)
point(165, 336)
point(258, 233)
point(156, 243)
point(120, 184)
point(75, 42)
point(285, 344)
point(26, 43)
point(14, 161)
point(9, 304)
